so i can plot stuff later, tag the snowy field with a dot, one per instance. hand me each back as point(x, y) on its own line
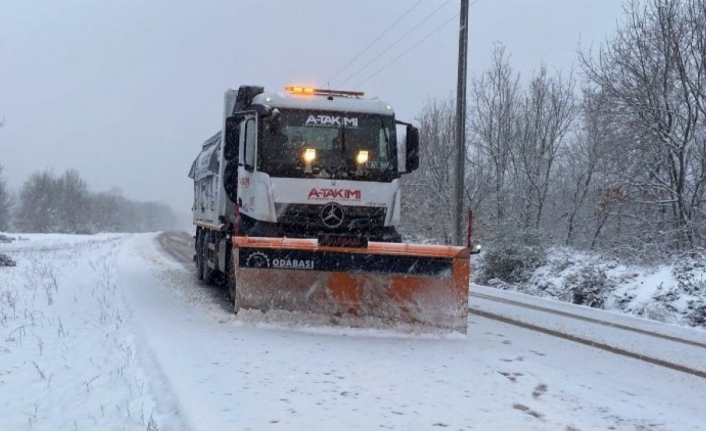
point(111, 332)
point(67, 356)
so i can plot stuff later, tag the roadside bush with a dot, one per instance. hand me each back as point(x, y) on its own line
point(661, 312)
point(696, 316)
point(689, 270)
point(589, 286)
point(512, 255)
point(6, 260)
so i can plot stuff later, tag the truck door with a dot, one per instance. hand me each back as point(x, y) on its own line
point(248, 162)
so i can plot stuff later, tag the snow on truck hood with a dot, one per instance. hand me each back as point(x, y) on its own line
point(321, 102)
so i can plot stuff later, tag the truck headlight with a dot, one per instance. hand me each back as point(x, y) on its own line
point(309, 155)
point(362, 157)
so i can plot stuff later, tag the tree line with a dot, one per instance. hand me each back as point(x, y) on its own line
point(49, 203)
point(610, 158)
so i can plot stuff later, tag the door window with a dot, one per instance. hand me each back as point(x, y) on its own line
point(250, 141)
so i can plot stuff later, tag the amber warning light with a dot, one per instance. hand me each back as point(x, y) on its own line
point(299, 90)
point(294, 89)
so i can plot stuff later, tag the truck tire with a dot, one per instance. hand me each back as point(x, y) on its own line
point(199, 254)
point(230, 284)
point(206, 272)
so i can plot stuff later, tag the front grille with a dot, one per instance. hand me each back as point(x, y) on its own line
point(309, 216)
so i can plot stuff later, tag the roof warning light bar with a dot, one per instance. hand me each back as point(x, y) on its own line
point(322, 91)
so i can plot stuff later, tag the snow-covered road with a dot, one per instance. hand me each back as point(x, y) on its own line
point(226, 372)
point(674, 347)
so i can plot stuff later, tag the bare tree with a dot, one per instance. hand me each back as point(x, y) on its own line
point(623, 169)
point(37, 210)
point(548, 112)
point(108, 211)
point(429, 198)
point(652, 74)
point(583, 160)
point(50, 204)
point(494, 120)
point(65, 204)
point(6, 200)
point(479, 177)
point(72, 203)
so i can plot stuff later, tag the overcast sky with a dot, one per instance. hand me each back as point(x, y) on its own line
point(126, 91)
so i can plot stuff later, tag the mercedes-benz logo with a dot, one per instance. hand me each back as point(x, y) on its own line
point(332, 215)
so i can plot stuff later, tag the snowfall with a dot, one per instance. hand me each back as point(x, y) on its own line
point(110, 332)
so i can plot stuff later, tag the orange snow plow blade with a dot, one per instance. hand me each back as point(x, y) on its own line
point(397, 283)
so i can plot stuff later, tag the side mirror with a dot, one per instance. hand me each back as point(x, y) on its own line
point(262, 110)
point(275, 123)
point(231, 148)
point(412, 147)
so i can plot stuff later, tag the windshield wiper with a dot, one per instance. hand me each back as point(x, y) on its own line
point(387, 143)
point(384, 130)
point(343, 140)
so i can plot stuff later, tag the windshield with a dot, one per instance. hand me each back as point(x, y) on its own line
point(338, 145)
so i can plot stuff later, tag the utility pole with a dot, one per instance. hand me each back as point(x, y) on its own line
point(460, 150)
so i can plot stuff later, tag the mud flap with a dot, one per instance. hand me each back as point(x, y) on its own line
point(406, 283)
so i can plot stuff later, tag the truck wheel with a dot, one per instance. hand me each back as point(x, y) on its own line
point(229, 281)
point(206, 272)
point(199, 255)
point(230, 287)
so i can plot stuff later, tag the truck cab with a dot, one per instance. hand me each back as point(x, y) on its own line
point(308, 162)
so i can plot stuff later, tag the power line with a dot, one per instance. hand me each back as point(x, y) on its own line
point(412, 47)
point(395, 43)
point(376, 39)
point(407, 50)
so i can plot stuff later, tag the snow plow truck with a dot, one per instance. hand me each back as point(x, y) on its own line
point(296, 203)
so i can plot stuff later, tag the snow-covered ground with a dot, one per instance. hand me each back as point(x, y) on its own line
point(670, 292)
point(167, 349)
point(67, 356)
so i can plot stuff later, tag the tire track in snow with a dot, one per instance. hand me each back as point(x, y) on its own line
point(590, 343)
point(590, 319)
point(177, 244)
